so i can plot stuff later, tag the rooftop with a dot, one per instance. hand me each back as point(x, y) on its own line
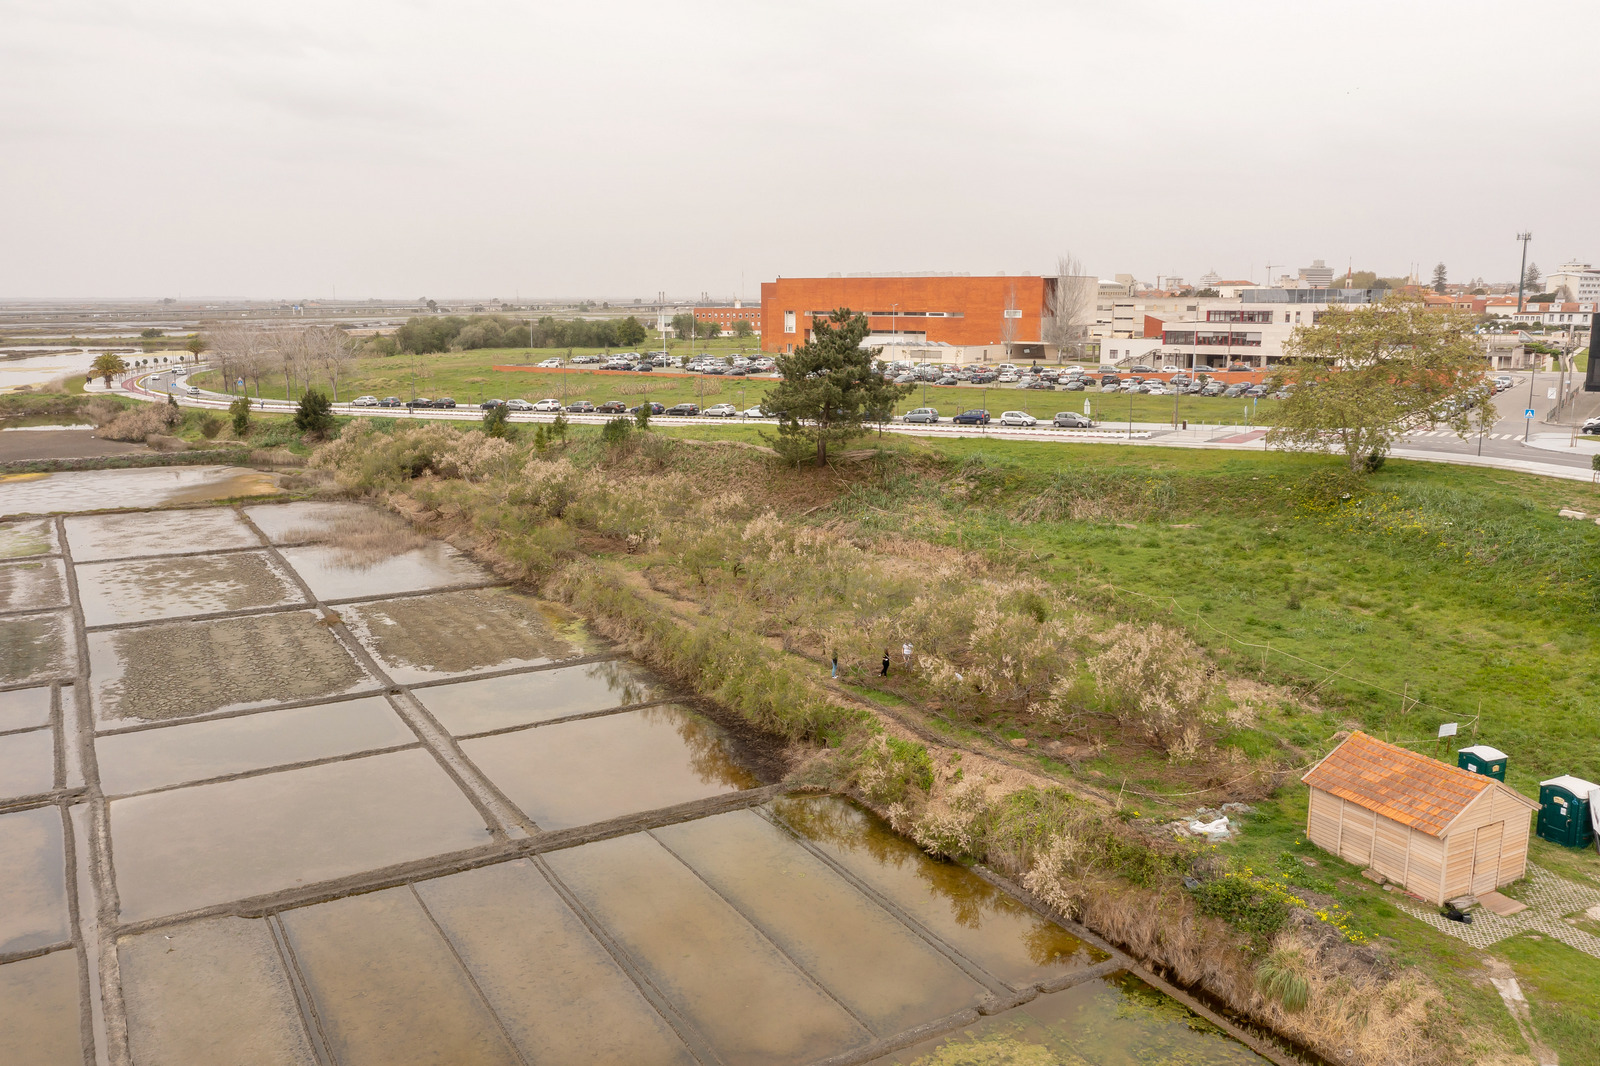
point(1411, 789)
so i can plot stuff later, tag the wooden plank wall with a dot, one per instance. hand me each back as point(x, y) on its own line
point(1390, 843)
point(1514, 844)
point(1427, 866)
point(1322, 821)
point(1355, 843)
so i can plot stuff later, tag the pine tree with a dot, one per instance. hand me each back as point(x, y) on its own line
point(829, 388)
point(1439, 277)
point(1531, 279)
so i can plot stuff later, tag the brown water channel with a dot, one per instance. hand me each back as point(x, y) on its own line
point(260, 803)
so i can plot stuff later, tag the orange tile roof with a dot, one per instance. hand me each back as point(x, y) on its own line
point(1412, 789)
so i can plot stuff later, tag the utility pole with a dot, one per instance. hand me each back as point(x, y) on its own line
point(1522, 275)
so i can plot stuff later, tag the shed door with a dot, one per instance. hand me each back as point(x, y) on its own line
point(1486, 857)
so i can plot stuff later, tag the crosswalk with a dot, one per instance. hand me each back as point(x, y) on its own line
point(1470, 437)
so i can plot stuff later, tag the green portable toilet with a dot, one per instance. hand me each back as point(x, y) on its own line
point(1564, 810)
point(1482, 759)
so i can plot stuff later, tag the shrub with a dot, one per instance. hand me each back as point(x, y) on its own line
point(497, 421)
point(888, 768)
point(641, 418)
point(314, 415)
point(239, 411)
point(1156, 679)
point(210, 425)
point(616, 431)
point(1279, 977)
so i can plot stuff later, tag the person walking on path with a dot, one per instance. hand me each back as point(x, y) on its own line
point(885, 671)
point(835, 664)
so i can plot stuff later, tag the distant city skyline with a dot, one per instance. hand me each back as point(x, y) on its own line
point(483, 150)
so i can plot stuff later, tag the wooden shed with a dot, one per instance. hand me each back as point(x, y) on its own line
point(1438, 830)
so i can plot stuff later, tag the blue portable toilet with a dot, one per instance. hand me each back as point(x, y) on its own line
point(1482, 759)
point(1564, 805)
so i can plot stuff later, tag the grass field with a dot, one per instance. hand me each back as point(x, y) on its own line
point(470, 377)
point(1422, 594)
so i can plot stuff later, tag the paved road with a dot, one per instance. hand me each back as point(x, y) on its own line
point(1552, 450)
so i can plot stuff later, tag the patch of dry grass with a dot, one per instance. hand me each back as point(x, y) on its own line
point(363, 537)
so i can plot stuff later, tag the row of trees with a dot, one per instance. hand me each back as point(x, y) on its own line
point(248, 351)
point(426, 334)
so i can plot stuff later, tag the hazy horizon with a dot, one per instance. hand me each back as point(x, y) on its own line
point(477, 150)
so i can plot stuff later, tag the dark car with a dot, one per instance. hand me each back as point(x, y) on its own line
point(1142, 369)
point(1238, 368)
point(581, 407)
point(1072, 420)
point(1256, 391)
point(1110, 379)
point(420, 401)
point(1591, 426)
point(490, 405)
point(1233, 391)
point(1075, 385)
point(612, 407)
point(975, 417)
point(445, 402)
point(1212, 388)
point(984, 378)
point(390, 401)
point(683, 409)
point(655, 408)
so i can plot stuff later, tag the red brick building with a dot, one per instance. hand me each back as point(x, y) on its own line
point(963, 311)
point(727, 316)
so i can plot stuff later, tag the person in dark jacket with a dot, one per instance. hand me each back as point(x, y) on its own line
point(885, 671)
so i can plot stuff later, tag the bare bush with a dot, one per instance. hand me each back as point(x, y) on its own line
point(363, 537)
point(135, 424)
point(1158, 681)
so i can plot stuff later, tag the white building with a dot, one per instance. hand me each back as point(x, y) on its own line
point(1318, 275)
point(1563, 316)
point(1580, 280)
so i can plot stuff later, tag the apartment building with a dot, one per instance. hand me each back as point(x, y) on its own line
point(1574, 281)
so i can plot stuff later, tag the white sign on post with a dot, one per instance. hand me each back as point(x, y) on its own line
point(1086, 407)
point(1447, 730)
point(1550, 393)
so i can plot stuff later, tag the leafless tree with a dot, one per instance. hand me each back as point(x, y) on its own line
point(329, 348)
point(1008, 322)
point(1069, 308)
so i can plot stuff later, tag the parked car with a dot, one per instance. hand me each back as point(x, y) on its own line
point(655, 408)
point(1072, 420)
point(1008, 376)
point(722, 410)
point(551, 364)
point(1170, 369)
point(975, 417)
point(1110, 386)
point(1155, 388)
point(1255, 392)
point(683, 409)
point(490, 405)
point(753, 412)
point(1591, 425)
point(1212, 388)
point(1238, 368)
point(580, 407)
point(420, 401)
point(1140, 368)
point(948, 379)
point(389, 401)
point(364, 401)
point(586, 359)
point(921, 414)
point(1017, 418)
point(612, 407)
point(1075, 385)
point(547, 405)
point(984, 378)
point(1233, 391)
point(445, 402)
point(518, 405)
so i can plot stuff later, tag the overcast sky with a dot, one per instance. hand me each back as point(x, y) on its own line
point(612, 149)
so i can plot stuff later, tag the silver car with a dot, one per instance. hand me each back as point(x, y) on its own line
point(921, 414)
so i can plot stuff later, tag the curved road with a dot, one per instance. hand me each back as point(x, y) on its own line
point(1551, 450)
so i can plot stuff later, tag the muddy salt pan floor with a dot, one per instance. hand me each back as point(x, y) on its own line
point(262, 803)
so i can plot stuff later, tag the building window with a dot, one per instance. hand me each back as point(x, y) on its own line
point(788, 321)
